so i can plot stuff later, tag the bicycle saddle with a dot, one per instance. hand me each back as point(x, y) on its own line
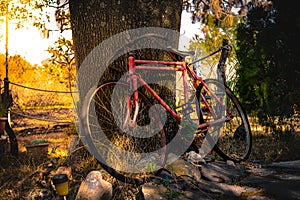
point(181, 53)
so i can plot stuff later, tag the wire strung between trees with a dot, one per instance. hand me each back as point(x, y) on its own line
point(42, 90)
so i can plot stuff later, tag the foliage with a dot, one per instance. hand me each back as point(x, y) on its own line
point(213, 34)
point(23, 73)
point(62, 63)
point(62, 17)
point(268, 76)
point(28, 14)
point(15, 9)
point(39, 141)
point(25, 11)
point(17, 67)
point(219, 10)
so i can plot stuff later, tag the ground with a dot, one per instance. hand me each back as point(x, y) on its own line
point(25, 177)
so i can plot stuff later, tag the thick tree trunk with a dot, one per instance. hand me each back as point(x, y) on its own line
point(93, 21)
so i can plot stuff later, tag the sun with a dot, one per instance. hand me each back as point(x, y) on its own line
point(29, 44)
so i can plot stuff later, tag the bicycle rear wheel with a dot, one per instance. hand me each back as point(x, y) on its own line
point(130, 154)
point(232, 139)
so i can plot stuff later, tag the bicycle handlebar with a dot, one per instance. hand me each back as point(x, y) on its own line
point(224, 51)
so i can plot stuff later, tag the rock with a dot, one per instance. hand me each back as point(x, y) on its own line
point(153, 191)
point(180, 167)
point(262, 172)
point(94, 188)
point(284, 176)
point(221, 172)
point(230, 162)
point(280, 180)
point(295, 164)
point(272, 186)
point(164, 176)
point(255, 197)
point(227, 189)
point(195, 157)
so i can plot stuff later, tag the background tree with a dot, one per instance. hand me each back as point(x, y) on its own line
point(219, 10)
point(268, 77)
point(62, 63)
point(211, 40)
point(34, 13)
point(263, 57)
point(19, 67)
point(218, 20)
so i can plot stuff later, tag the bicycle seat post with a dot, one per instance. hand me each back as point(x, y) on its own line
point(131, 64)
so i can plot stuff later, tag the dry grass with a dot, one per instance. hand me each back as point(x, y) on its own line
point(24, 177)
point(276, 147)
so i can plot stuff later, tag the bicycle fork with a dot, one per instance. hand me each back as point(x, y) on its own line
point(132, 81)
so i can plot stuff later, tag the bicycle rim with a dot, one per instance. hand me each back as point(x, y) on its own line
point(232, 139)
point(118, 152)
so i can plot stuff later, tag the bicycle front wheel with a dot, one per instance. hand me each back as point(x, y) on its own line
point(232, 138)
point(127, 154)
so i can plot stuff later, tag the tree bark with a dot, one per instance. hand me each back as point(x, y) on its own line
point(94, 21)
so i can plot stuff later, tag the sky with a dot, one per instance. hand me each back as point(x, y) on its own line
point(33, 47)
point(187, 30)
point(28, 42)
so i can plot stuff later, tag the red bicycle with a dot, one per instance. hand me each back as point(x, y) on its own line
point(125, 119)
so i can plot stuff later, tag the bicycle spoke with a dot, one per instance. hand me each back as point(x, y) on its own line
point(116, 149)
point(231, 138)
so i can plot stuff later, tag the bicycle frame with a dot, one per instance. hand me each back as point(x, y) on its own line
point(181, 66)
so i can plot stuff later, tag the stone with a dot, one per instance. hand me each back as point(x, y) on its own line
point(221, 172)
point(195, 157)
point(94, 188)
point(262, 172)
point(153, 191)
point(180, 167)
point(295, 164)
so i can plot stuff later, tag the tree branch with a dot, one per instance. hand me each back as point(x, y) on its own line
point(61, 6)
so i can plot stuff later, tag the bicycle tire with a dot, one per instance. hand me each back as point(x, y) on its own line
point(101, 101)
point(234, 137)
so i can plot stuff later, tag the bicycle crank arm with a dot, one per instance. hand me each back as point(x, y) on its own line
point(218, 121)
